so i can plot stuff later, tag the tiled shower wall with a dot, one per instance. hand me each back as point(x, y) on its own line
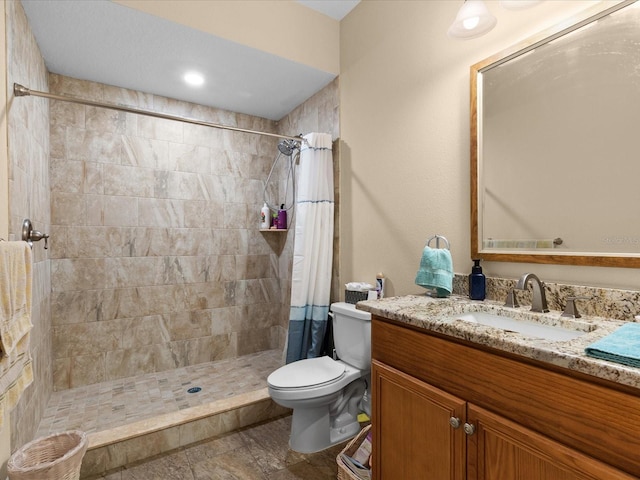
point(28, 130)
point(157, 260)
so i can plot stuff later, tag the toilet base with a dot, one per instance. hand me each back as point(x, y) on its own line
point(311, 435)
point(317, 428)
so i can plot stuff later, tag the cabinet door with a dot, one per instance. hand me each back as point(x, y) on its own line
point(412, 436)
point(500, 449)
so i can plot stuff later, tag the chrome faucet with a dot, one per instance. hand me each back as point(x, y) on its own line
point(539, 301)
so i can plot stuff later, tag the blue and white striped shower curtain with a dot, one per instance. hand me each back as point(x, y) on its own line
point(312, 250)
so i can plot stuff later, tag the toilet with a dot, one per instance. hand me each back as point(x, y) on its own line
point(327, 395)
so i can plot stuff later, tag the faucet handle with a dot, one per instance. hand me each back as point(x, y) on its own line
point(512, 299)
point(570, 310)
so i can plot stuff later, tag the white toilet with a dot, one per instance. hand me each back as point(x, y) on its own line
point(326, 395)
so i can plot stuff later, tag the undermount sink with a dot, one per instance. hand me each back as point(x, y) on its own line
point(567, 331)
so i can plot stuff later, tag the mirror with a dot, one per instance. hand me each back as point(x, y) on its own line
point(555, 145)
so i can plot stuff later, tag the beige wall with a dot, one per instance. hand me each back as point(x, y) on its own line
point(404, 88)
point(283, 28)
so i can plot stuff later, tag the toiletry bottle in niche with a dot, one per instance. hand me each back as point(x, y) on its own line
point(477, 282)
point(265, 217)
point(282, 218)
point(380, 284)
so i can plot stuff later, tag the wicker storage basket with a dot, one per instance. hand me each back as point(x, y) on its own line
point(343, 471)
point(351, 296)
point(56, 457)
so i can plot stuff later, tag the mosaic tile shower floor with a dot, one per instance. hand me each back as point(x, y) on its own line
point(115, 403)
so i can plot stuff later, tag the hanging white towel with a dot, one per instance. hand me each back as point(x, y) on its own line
point(15, 294)
point(16, 371)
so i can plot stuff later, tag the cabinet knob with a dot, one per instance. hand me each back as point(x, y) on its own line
point(455, 422)
point(469, 429)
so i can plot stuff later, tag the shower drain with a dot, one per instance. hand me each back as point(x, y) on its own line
point(194, 390)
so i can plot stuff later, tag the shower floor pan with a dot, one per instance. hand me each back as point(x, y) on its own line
point(138, 417)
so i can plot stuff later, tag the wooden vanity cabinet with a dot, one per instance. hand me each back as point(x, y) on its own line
point(443, 410)
point(412, 429)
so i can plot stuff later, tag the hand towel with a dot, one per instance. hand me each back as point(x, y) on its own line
point(621, 346)
point(436, 271)
point(15, 294)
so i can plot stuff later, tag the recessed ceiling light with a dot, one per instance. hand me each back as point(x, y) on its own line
point(194, 79)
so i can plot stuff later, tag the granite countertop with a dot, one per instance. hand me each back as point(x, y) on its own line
point(438, 315)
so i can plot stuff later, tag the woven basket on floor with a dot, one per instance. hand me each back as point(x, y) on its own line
point(56, 457)
point(343, 471)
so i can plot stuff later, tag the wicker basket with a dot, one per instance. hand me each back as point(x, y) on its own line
point(351, 296)
point(343, 471)
point(56, 457)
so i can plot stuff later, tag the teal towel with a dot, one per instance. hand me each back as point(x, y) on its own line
point(621, 346)
point(436, 271)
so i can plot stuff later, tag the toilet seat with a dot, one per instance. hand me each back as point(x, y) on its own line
point(329, 377)
point(311, 372)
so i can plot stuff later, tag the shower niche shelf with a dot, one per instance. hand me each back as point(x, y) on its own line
point(274, 229)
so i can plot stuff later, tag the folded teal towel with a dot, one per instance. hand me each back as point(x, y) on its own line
point(436, 271)
point(621, 346)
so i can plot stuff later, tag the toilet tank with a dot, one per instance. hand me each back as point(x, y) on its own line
point(352, 335)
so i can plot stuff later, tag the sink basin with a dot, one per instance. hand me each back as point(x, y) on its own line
point(526, 327)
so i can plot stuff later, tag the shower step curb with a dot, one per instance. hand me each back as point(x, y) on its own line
point(137, 441)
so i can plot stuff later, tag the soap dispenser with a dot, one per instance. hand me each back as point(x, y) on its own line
point(477, 282)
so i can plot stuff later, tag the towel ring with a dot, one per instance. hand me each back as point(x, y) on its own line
point(437, 239)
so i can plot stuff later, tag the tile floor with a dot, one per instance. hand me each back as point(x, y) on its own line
point(102, 406)
point(259, 452)
point(256, 452)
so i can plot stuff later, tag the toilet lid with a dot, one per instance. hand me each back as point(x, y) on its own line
point(306, 373)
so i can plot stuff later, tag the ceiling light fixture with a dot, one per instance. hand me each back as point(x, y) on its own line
point(194, 79)
point(473, 19)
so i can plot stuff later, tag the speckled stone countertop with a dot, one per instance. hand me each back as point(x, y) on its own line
point(438, 315)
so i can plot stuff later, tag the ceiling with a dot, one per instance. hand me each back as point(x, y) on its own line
point(105, 42)
point(336, 9)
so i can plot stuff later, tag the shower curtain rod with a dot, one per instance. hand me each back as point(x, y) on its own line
point(22, 91)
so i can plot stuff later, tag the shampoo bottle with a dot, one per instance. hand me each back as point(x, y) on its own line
point(477, 282)
point(380, 284)
point(282, 218)
point(265, 217)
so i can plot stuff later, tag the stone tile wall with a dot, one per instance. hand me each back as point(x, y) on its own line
point(157, 261)
point(28, 132)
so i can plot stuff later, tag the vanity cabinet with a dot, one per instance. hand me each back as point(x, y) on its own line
point(449, 410)
point(413, 437)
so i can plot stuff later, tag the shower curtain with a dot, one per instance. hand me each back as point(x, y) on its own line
point(312, 250)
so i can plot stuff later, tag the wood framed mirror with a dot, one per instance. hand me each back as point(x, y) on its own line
point(555, 145)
